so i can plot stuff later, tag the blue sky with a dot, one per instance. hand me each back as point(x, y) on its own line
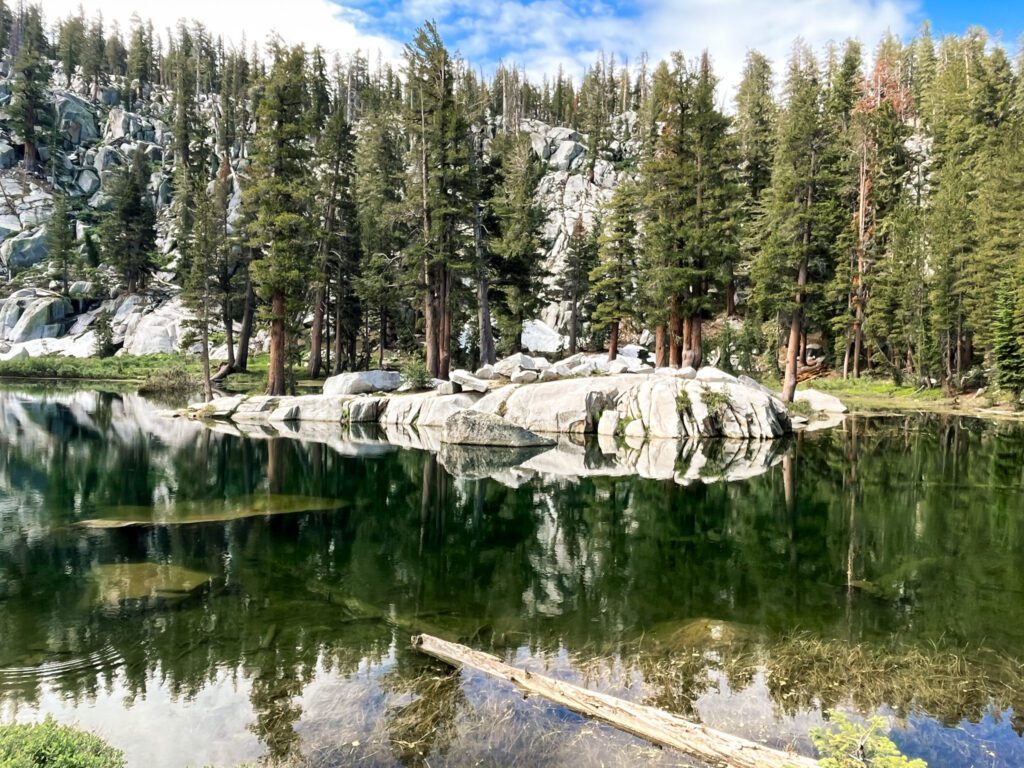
point(541, 35)
point(997, 17)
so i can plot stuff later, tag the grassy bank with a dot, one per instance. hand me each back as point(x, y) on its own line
point(870, 395)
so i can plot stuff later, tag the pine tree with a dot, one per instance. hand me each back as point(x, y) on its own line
point(207, 247)
point(691, 206)
point(756, 115)
point(615, 276)
point(60, 234)
point(338, 240)
point(580, 259)
point(379, 172)
point(519, 247)
point(792, 208)
point(129, 229)
point(279, 196)
point(28, 113)
point(1007, 337)
point(439, 186)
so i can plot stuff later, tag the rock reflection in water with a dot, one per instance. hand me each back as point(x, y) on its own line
point(887, 550)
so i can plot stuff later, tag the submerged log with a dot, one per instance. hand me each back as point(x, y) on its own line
point(654, 725)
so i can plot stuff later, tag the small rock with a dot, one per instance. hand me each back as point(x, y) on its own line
point(486, 372)
point(524, 377)
point(466, 380)
point(510, 364)
point(550, 374)
point(363, 382)
point(448, 388)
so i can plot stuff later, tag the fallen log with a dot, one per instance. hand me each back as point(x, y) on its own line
point(655, 725)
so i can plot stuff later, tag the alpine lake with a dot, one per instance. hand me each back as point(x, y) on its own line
point(200, 597)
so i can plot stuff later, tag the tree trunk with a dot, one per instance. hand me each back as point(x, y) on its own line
point(574, 319)
point(705, 744)
point(693, 355)
point(660, 350)
point(207, 386)
point(229, 332)
point(430, 334)
point(613, 341)
point(339, 336)
point(276, 382)
point(730, 295)
point(248, 316)
point(383, 338)
point(795, 331)
point(674, 342)
point(444, 340)
point(484, 319)
point(316, 333)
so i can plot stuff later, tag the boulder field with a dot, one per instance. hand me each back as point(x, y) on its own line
point(499, 411)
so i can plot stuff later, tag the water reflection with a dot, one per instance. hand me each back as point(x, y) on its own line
point(875, 566)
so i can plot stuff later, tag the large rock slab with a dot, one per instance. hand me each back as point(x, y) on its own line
point(24, 250)
point(475, 428)
point(466, 380)
point(566, 406)
point(363, 382)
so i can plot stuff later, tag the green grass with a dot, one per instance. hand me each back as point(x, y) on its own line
point(870, 387)
point(94, 368)
point(49, 745)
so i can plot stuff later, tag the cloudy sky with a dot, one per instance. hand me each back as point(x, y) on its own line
point(539, 35)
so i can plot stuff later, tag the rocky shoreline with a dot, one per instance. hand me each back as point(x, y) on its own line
point(512, 410)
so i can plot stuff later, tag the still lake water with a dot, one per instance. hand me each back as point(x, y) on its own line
point(877, 567)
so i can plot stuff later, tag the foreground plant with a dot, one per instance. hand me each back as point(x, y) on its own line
point(845, 744)
point(55, 746)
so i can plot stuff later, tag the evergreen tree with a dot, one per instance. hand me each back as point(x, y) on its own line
point(756, 115)
point(1008, 340)
point(129, 229)
point(615, 276)
point(31, 74)
point(338, 240)
point(519, 247)
point(580, 259)
point(439, 184)
point(379, 172)
point(207, 247)
point(279, 197)
point(792, 208)
point(60, 234)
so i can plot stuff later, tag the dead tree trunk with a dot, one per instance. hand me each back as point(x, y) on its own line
point(655, 725)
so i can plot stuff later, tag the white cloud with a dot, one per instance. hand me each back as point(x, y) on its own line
point(309, 22)
point(540, 35)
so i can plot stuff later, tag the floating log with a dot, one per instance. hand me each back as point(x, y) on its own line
point(655, 725)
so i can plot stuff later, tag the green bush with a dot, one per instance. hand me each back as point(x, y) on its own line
point(716, 402)
point(415, 374)
point(49, 745)
point(843, 744)
point(170, 380)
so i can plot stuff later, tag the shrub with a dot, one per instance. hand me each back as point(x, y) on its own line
point(169, 380)
point(716, 402)
point(415, 374)
point(683, 402)
point(104, 329)
point(843, 744)
point(50, 745)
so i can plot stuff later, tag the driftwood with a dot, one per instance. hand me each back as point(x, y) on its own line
point(654, 725)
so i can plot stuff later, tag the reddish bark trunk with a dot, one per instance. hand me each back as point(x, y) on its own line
point(276, 373)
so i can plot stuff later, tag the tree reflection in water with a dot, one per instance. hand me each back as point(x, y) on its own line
point(877, 566)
